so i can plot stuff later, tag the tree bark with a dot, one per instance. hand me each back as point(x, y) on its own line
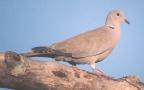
point(21, 73)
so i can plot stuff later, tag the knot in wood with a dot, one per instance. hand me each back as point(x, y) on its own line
point(14, 63)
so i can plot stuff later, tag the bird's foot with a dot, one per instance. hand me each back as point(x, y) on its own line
point(98, 72)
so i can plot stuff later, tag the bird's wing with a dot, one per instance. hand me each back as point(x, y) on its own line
point(87, 44)
point(88, 53)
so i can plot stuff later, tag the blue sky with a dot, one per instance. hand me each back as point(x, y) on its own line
point(28, 23)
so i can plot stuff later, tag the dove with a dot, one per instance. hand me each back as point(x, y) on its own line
point(86, 48)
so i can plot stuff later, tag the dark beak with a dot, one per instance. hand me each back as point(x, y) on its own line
point(127, 21)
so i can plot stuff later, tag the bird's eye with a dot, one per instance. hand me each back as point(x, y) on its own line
point(118, 14)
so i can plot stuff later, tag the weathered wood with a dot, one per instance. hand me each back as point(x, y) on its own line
point(21, 73)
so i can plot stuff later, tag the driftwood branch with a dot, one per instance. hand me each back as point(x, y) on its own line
point(21, 73)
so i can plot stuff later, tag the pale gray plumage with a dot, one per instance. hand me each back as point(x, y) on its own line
point(87, 48)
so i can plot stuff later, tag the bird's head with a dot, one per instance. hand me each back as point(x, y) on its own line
point(115, 18)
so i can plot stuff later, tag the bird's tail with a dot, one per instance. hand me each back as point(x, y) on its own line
point(39, 52)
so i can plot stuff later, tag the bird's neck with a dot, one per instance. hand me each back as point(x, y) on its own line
point(115, 29)
point(113, 23)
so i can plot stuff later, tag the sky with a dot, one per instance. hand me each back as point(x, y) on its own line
point(25, 24)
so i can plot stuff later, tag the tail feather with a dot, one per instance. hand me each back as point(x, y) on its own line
point(39, 52)
point(29, 54)
point(40, 49)
point(45, 52)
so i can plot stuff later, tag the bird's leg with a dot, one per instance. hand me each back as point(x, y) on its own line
point(99, 72)
point(96, 71)
point(73, 65)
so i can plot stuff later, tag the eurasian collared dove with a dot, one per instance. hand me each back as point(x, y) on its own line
point(86, 48)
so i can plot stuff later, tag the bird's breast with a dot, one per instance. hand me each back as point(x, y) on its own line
point(116, 35)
